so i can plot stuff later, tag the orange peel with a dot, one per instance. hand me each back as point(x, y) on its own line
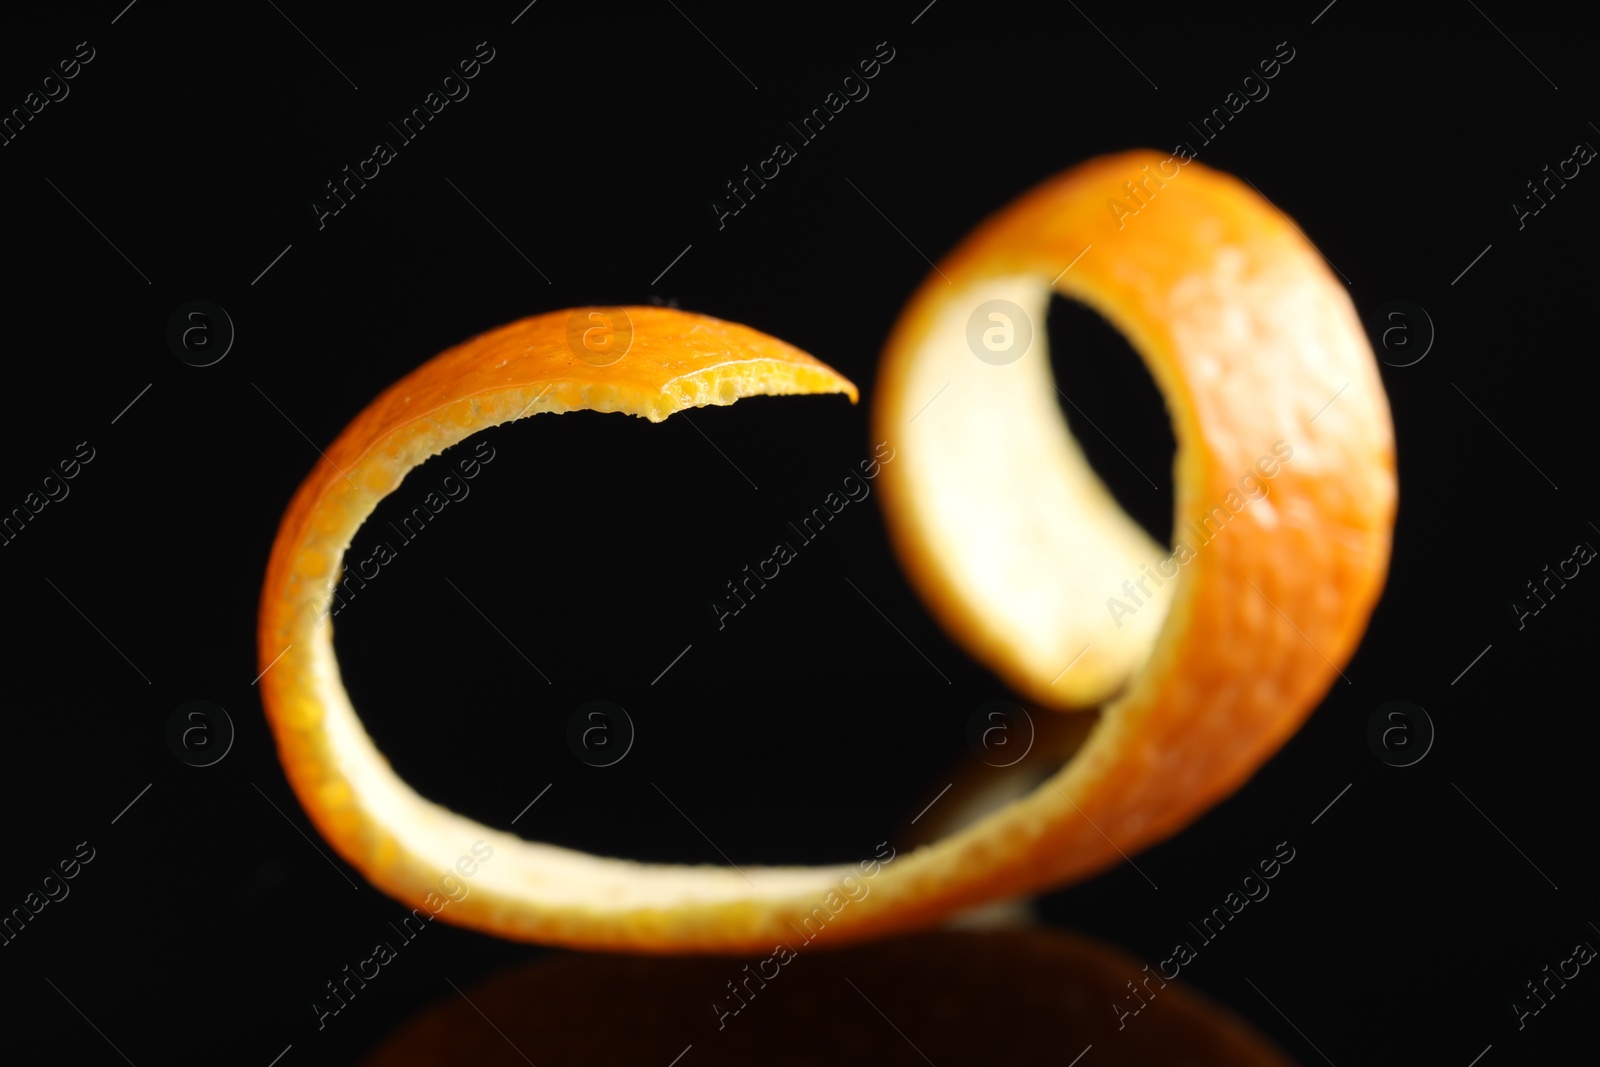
point(1018, 547)
point(1248, 336)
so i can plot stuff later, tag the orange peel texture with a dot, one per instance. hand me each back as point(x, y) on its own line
point(1248, 336)
point(1020, 551)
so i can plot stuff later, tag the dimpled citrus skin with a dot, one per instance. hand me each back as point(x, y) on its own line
point(400, 841)
point(1249, 337)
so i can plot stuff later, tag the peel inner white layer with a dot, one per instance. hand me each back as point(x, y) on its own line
point(1017, 523)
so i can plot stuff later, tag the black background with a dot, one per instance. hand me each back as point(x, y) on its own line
point(808, 730)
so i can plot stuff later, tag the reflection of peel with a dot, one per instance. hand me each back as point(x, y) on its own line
point(1032, 996)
